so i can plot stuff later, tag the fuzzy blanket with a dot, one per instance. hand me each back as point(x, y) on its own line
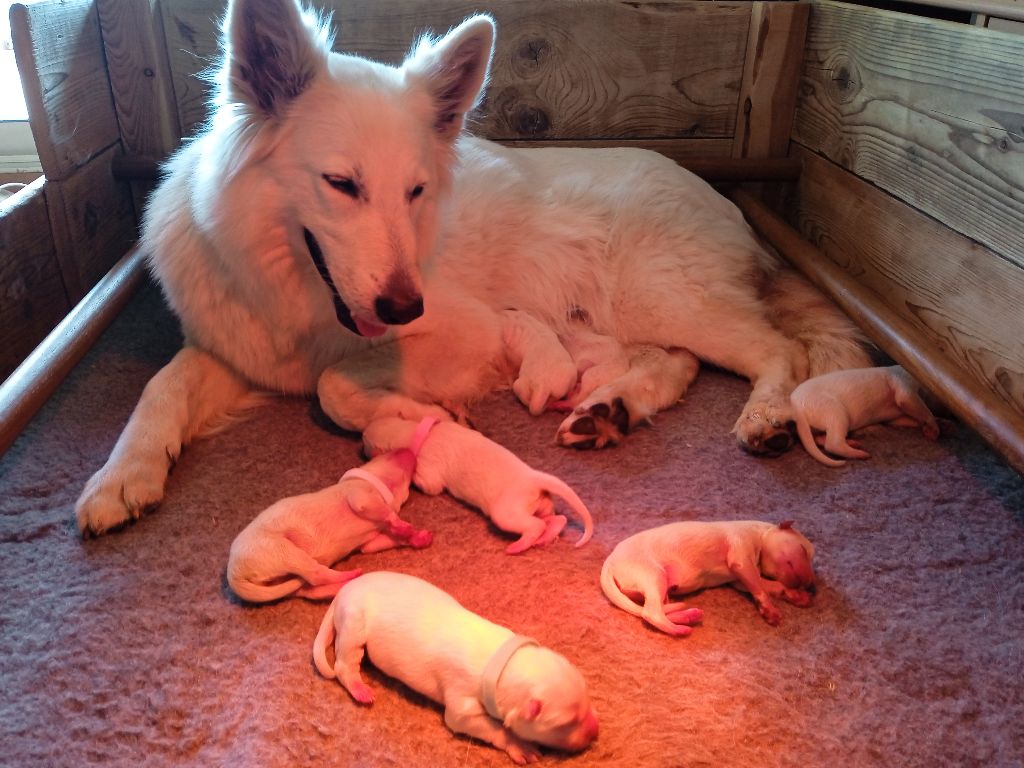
point(130, 650)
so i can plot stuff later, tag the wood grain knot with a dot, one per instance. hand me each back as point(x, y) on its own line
point(521, 117)
point(532, 52)
point(843, 80)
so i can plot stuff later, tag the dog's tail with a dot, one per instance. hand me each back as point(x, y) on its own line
point(324, 638)
point(801, 312)
point(613, 593)
point(803, 428)
point(560, 488)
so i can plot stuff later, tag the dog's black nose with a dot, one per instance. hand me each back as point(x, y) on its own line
point(398, 310)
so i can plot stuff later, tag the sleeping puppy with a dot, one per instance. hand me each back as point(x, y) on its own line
point(480, 472)
point(290, 545)
point(760, 558)
point(840, 402)
point(496, 686)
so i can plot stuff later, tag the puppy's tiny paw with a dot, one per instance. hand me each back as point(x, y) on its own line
point(771, 614)
point(421, 539)
point(361, 692)
point(798, 597)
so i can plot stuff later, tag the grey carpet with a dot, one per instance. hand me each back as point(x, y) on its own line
point(130, 650)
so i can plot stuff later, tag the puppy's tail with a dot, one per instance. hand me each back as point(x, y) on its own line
point(324, 638)
point(807, 438)
point(560, 488)
point(613, 593)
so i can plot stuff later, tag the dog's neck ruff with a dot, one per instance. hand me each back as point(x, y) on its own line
point(493, 669)
point(358, 473)
point(420, 435)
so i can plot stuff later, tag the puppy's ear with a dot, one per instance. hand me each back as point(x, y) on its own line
point(454, 70)
point(530, 711)
point(368, 504)
point(786, 524)
point(272, 52)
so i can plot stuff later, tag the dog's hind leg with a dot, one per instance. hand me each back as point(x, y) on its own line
point(193, 394)
point(656, 379)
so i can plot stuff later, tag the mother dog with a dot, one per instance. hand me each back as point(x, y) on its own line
point(333, 230)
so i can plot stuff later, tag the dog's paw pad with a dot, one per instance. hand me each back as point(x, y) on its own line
point(594, 426)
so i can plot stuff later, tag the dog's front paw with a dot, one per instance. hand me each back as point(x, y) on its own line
point(116, 495)
point(594, 425)
point(766, 428)
point(798, 597)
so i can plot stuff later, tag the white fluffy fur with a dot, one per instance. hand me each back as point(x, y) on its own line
point(650, 253)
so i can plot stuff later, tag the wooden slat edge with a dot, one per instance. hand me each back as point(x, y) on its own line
point(28, 388)
point(998, 424)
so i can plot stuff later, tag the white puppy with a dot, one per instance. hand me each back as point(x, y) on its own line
point(838, 403)
point(480, 472)
point(290, 545)
point(760, 558)
point(495, 685)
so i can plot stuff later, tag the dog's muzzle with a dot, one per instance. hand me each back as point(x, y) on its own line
point(401, 303)
point(340, 307)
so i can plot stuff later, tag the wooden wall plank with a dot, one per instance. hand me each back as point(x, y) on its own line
point(64, 75)
point(32, 296)
point(771, 73)
point(930, 111)
point(597, 69)
point(133, 38)
point(961, 296)
point(93, 220)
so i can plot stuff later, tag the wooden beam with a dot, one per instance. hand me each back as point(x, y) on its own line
point(64, 75)
point(771, 74)
point(30, 386)
point(929, 111)
point(990, 416)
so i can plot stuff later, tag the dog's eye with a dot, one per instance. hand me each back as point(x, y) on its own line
point(415, 192)
point(344, 185)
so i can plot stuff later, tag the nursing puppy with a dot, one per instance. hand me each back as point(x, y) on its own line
point(480, 472)
point(763, 559)
point(840, 402)
point(496, 686)
point(290, 546)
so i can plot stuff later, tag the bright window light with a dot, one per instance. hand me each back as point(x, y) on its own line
point(12, 100)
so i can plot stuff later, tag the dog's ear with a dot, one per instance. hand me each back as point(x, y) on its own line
point(530, 711)
point(786, 524)
point(272, 52)
point(454, 70)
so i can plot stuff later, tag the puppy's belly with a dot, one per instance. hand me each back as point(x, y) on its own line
point(683, 578)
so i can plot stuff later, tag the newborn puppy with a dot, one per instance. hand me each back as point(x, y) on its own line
point(290, 545)
point(839, 402)
point(494, 685)
point(480, 472)
point(760, 558)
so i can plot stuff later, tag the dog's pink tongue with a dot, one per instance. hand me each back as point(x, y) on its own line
point(370, 329)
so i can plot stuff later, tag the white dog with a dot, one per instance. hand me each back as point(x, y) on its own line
point(472, 468)
point(675, 559)
point(333, 231)
point(840, 402)
point(497, 686)
point(290, 546)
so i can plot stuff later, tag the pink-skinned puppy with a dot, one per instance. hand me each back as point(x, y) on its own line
point(496, 686)
point(764, 559)
point(838, 403)
point(289, 547)
point(478, 471)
